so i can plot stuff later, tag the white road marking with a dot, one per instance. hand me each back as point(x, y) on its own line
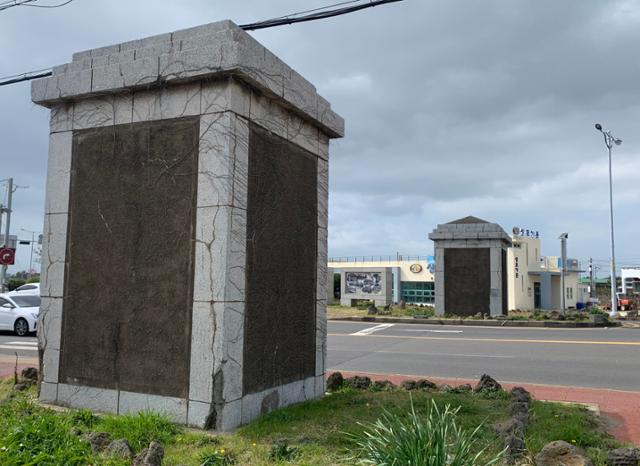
point(488, 356)
point(430, 331)
point(23, 343)
point(474, 355)
point(15, 347)
point(370, 330)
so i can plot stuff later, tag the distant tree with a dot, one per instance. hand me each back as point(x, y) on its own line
point(14, 283)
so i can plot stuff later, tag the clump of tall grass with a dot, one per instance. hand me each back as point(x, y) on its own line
point(140, 429)
point(434, 440)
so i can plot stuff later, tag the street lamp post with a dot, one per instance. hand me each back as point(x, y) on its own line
point(563, 270)
point(609, 141)
point(33, 239)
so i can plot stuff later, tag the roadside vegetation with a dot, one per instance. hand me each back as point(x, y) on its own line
point(349, 426)
point(427, 312)
point(16, 281)
point(361, 310)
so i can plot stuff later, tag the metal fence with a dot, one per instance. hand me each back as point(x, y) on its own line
point(390, 258)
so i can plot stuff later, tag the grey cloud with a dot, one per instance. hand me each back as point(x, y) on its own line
point(452, 108)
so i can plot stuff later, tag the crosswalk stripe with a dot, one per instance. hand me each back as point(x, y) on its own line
point(15, 347)
point(370, 330)
point(430, 331)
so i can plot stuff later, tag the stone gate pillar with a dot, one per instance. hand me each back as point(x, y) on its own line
point(185, 238)
point(471, 267)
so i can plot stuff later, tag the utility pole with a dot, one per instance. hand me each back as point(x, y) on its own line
point(3, 271)
point(591, 284)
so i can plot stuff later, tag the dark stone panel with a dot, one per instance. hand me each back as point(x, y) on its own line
point(505, 292)
point(279, 336)
point(130, 251)
point(467, 279)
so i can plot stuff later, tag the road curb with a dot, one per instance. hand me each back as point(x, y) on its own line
point(479, 323)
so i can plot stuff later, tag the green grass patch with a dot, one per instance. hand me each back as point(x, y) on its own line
point(31, 435)
point(573, 424)
point(139, 429)
point(314, 433)
point(5, 387)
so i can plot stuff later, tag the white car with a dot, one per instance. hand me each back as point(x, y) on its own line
point(19, 313)
point(29, 288)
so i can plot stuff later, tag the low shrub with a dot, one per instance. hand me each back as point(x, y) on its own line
point(597, 311)
point(425, 311)
point(14, 283)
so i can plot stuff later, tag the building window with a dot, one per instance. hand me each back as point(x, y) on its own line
point(417, 292)
point(529, 291)
point(569, 293)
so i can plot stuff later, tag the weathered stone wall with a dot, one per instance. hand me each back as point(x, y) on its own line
point(467, 281)
point(280, 328)
point(129, 274)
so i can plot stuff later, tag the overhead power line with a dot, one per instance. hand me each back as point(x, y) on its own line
point(12, 3)
point(43, 73)
point(317, 9)
point(313, 16)
point(308, 15)
point(52, 6)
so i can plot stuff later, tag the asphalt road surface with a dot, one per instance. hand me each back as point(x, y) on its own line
point(597, 358)
point(25, 347)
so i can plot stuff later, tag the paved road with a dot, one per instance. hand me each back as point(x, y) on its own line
point(26, 347)
point(598, 358)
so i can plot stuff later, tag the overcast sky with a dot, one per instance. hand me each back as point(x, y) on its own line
point(452, 108)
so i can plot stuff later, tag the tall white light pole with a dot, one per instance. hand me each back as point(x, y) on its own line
point(609, 141)
point(563, 271)
point(33, 240)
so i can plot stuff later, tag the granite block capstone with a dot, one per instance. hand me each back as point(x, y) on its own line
point(215, 50)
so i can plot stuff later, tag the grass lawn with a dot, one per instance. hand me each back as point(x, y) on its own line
point(311, 433)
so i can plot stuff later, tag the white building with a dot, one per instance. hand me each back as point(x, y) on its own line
point(412, 281)
point(533, 281)
point(630, 279)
